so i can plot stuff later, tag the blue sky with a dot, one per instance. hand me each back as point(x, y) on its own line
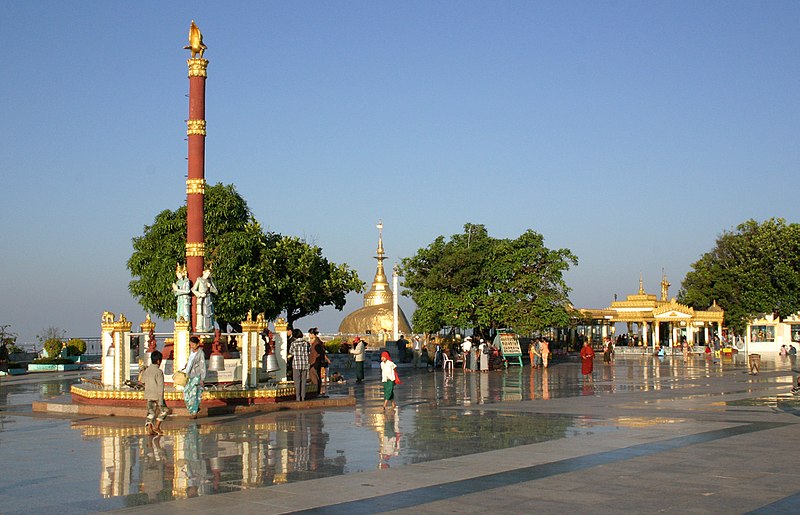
point(632, 133)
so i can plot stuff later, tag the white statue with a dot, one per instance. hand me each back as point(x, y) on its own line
point(182, 290)
point(203, 289)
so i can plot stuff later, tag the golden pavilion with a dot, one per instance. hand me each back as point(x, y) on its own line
point(654, 321)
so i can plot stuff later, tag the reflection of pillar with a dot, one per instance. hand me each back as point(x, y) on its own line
point(195, 181)
point(116, 463)
point(253, 463)
point(180, 478)
point(280, 456)
point(281, 348)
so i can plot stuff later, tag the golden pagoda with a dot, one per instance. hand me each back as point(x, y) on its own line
point(376, 318)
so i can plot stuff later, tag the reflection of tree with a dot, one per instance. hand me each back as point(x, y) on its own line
point(51, 389)
point(437, 436)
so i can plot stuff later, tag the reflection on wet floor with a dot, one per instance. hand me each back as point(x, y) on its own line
point(439, 416)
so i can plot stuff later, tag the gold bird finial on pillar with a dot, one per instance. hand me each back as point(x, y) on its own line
point(195, 41)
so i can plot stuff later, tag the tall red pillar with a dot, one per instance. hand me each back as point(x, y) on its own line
point(195, 181)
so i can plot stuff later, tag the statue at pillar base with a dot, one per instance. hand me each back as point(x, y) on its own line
point(182, 291)
point(204, 289)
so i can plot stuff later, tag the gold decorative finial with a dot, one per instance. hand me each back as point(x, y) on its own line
point(641, 284)
point(195, 41)
point(380, 241)
point(664, 286)
point(380, 293)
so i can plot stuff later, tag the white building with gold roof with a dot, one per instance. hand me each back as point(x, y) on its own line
point(656, 321)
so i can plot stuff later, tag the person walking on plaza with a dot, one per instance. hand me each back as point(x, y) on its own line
point(587, 360)
point(195, 368)
point(544, 349)
point(153, 379)
point(388, 379)
point(358, 351)
point(299, 348)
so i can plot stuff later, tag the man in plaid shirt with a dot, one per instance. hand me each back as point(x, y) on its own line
point(299, 348)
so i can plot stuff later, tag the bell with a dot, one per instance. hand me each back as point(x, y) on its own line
point(147, 361)
point(110, 351)
point(272, 363)
point(216, 363)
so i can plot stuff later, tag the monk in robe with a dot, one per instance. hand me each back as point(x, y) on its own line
point(587, 360)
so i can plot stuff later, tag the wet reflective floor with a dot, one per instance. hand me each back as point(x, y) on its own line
point(86, 464)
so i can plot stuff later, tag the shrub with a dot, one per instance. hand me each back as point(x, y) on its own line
point(14, 364)
point(332, 346)
point(53, 347)
point(52, 361)
point(76, 347)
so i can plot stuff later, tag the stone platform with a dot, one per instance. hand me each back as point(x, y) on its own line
point(645, 436)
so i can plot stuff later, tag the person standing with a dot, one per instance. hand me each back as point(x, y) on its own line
point(317, 360)
point(587, 359)
point(153, 379)
point(402, 344)
point(416, 347)
point(358, 351)
point(388, 378)
point(466, 348)
point(484, 350)
point(607, 352)
point(195, 369)
point(537, 353)
point(300, 349)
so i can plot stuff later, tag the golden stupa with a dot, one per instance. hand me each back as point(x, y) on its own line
point(376, 318)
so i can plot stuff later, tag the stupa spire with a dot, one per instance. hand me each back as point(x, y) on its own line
point(380, 292)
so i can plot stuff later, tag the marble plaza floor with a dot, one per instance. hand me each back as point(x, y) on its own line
point(646, 436)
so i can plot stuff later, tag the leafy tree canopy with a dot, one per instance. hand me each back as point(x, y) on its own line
point(254, 270)
point(474, 280)
point(752, 271)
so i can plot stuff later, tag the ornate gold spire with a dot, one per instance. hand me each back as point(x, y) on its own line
point(641, 284)
point(379, 293)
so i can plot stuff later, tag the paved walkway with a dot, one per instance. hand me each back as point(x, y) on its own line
point(646, 436)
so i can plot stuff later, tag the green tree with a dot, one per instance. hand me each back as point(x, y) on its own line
point(304, 280)
point(751, 271)
point(474, 280)
point(76, 347)
point(6, 336)
point(53, 347)
point(253, 270)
